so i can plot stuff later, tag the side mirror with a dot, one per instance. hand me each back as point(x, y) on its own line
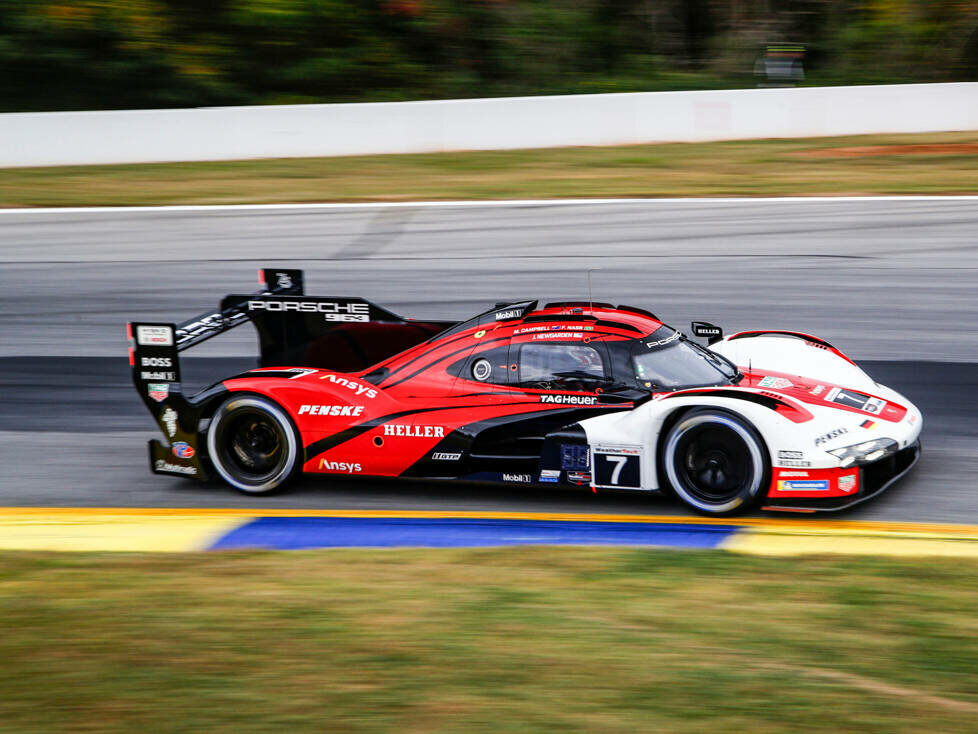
point(708, 331)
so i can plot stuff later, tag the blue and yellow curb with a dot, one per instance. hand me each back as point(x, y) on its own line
point(196, 529)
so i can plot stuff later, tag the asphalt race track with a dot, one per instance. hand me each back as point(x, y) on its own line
point(891, 282)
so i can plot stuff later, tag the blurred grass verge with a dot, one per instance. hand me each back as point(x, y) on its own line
point(940, 163)
point(486, 640)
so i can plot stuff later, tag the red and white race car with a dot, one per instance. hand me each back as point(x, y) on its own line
point(571, 393)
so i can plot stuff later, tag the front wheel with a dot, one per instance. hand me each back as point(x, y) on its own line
point(253, 444)
point(715, 462)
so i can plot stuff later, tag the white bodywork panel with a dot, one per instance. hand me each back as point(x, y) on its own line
point(807, 442)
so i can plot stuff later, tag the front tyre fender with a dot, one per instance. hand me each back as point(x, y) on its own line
point(715, 461)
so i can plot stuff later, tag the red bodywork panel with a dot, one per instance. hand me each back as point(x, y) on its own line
point(383, 420)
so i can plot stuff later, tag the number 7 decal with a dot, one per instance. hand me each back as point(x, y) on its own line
point(619, 462)
point(617, 466)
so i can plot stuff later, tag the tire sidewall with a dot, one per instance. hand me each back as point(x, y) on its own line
point(746, 498)
point(294, 444)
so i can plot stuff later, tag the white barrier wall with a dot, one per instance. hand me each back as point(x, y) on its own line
point(218, 133)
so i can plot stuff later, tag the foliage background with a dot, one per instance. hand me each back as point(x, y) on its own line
point(115, 54)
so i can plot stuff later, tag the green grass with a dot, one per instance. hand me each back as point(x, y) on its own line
point(486, 640)
point(739, 168)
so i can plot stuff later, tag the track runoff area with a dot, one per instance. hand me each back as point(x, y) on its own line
point(149, 529)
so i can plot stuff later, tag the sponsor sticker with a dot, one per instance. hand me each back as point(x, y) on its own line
point(350, 410)
point(776, 383)
point(331, 310)
point(215, 322)
point(874, 405)
point(165, 376)
point(817, 389)
point(446, 456)
point(793, 458)
point(549, 475)
point(569, 399)
point(183, 450)
point(831, 435)
point(156, 336)
point(169, 418)
point(793, 473)
point(166, 466)
point(414, 431)
point(796, 485)
point(357, 387)
point(847, 483)
point(155, 362)
point(340, 466)
point(159, 391)
point(511, 314)
point(579, 476)
point(574, 456)
point(523, 478)
point(663, 342)
point(614, 449)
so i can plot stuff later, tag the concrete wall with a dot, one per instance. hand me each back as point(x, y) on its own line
point(218, 133)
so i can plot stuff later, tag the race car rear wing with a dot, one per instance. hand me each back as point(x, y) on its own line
point(294, 330)
point(154, 347)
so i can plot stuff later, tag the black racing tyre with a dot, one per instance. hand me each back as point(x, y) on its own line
point(254, 445)
point(715, 462)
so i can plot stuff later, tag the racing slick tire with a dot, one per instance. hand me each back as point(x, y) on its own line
point(254, 445)
point(715, 461)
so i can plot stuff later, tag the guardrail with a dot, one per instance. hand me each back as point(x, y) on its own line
point(222, 133)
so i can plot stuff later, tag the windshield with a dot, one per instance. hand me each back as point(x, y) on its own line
point(665, 360)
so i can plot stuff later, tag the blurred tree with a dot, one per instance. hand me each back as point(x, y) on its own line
point(90, 54)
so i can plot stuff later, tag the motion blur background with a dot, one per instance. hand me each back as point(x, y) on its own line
point(98, 54)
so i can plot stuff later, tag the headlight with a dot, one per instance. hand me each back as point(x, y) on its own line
point(865, 452)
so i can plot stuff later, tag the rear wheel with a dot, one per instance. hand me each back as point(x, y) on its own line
point(253, 444)
point(715, 462)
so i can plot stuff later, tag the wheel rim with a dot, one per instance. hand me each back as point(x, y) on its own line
point(713, 462)
point(251, 445)
point(255, 444)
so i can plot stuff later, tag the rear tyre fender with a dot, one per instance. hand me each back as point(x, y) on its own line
point(253, 444)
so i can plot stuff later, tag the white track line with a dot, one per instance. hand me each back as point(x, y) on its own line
point(469, 203)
